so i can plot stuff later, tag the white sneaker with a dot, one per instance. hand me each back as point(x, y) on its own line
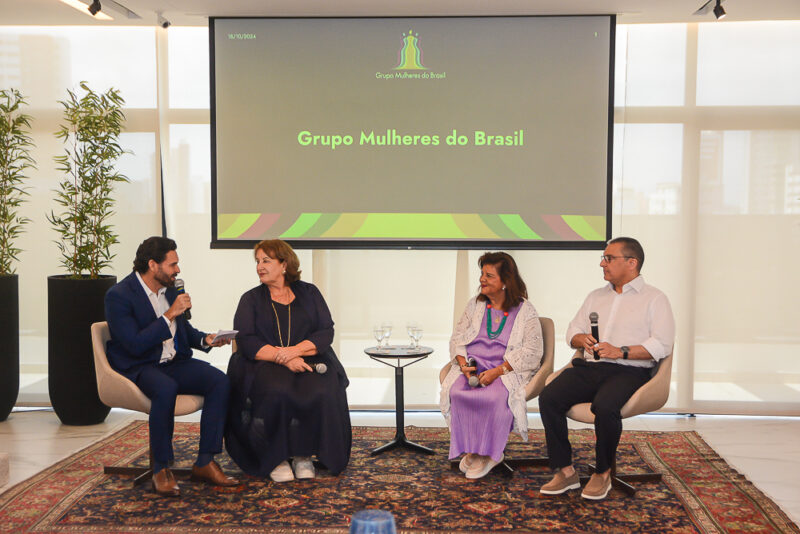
point(303, 467)
point(282, 473)
point(482, 466)
point(466, 462)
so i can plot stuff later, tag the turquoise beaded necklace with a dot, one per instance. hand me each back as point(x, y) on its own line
point(493, 334)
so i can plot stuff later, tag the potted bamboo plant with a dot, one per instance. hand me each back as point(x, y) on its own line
point(90, 131)
point(15, 161)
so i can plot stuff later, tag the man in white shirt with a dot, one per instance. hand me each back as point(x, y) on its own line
point(636, 329)
point(151, 344)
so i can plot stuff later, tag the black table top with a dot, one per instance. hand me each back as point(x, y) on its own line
point(398, 351)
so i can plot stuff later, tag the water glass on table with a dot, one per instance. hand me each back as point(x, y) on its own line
point(387, 331)
point(416, 335)
point(410, 326)
point(377, 331)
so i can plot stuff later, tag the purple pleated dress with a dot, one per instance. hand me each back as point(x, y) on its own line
point(480, 418)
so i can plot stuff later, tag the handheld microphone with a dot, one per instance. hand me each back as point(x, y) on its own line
point(473, 379)
point(181, 291)
point(593, 317)
point(319, 368)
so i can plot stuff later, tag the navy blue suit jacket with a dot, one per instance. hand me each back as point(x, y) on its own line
point(137, 334)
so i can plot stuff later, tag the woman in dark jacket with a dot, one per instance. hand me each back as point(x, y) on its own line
point(282, 406)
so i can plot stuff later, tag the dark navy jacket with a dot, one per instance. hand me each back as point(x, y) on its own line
point(255, 322)
point(137, 334)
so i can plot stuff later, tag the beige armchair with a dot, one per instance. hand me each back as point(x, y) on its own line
point(532, 390)
point(648, 398)
point(116, 391)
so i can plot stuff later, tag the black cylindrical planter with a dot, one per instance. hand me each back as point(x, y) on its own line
point(9, 344)
point(73, 304)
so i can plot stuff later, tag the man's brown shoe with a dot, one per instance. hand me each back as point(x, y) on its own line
point(164, 483)
point(212, 474)
point(561, 483)
point(597, 488)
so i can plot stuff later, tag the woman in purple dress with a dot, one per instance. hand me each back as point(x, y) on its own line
point(500, 330)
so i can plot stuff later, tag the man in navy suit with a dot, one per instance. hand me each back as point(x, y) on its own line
point(151, 344)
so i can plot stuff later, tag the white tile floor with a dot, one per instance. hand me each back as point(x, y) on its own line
point(764, 449)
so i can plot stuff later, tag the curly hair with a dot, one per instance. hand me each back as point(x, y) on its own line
point(153, 248)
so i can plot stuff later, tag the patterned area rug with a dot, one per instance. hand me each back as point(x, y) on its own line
point(699, 493)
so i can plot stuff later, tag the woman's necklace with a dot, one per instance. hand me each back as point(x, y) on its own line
point(289, 330)
point(283, 298)
point(493, 334)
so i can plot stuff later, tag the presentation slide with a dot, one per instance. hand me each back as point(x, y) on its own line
point(431, 132)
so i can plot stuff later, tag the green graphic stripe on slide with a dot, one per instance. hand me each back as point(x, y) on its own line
point(410, 226)
point(520, 228)
point(485, 226)
point(234, 225)
point(302, 225)
point(590, 228)
point(401, 226)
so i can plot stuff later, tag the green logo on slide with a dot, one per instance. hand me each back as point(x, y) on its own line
point(410, 55)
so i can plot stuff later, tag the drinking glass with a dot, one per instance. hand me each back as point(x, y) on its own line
point(387, 331)
point(377, 331)
point(373, 522)
point(416, 335)
point(410, 326)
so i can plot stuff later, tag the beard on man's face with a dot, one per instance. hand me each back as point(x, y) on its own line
point(164, 279)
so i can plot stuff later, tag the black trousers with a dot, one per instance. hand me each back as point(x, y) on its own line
point(608, 386)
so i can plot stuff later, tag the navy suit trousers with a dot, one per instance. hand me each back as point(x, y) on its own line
point(162, 383)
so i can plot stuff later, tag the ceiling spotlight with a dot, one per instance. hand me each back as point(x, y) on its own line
point(81, 6)
point(706, 8)
point(95, 8)
point(719, 11)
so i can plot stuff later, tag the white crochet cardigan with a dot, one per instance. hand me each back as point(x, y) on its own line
point(524, 353)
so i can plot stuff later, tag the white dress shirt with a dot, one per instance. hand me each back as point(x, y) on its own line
point(160, 306)
point(640, 315)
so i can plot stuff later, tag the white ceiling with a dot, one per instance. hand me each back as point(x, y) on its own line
point(196, 12)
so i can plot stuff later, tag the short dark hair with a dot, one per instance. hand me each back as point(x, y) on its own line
point(631, 248)
point(153, 248)
point(509, 275)
point(280, 250)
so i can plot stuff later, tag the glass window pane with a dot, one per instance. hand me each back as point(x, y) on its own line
point(650, 178)
point(190, 167)
point(44, 61)
point(750, 172)
point(748, 64)
point(747, 339)
point(620, 65)
point(650, 64)
point(374, 300)
point(746, 319)
point(188, 68)
point(140, 195)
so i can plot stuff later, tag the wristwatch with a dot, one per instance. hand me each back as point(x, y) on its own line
point(625, 351)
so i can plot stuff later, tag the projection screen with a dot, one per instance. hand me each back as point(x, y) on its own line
point(430, 132)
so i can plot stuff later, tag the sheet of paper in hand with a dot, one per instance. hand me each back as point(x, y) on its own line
point(224, 335)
